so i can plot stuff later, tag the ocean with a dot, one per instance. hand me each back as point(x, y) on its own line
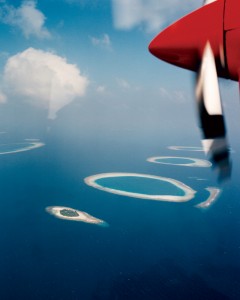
point(150, 250)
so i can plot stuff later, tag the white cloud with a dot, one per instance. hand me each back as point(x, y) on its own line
point(101, 89)
point(164, 93)
point(27, 18)
point(124, 84)
point(43, 79)
point(173, 95)
point(151, 14)
point(3, 97)
point(103, 41)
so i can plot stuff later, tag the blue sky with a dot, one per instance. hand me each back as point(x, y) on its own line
point(57, 56)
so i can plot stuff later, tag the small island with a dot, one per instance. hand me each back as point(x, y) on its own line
point(32, 140)
point(186, 148)
point(67, 213)
point(214, 194)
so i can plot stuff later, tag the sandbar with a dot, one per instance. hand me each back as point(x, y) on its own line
point(186, 148)
point(32, 140)
point(67, 213)
point(197, 178)
point(196, 162)
point(188, 192)
point(29, 146)
point(214, 194)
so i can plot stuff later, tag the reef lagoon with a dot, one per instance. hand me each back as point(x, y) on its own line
point(180, 161)
point(142, 186)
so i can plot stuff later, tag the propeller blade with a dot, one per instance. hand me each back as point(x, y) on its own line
point(207, 86)
point(211, 114)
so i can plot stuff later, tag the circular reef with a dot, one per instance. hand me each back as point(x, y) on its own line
point(142, 186)
point(180, 161)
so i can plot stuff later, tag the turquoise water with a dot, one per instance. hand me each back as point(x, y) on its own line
point(141, 185)
point(176, 160)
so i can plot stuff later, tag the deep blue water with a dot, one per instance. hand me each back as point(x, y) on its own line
point(151, 250)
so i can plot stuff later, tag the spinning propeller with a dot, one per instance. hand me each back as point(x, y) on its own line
point(206, 41)
point(210, 113)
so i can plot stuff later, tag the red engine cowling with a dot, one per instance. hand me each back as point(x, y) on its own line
point(232, 37)
point(183, 42)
